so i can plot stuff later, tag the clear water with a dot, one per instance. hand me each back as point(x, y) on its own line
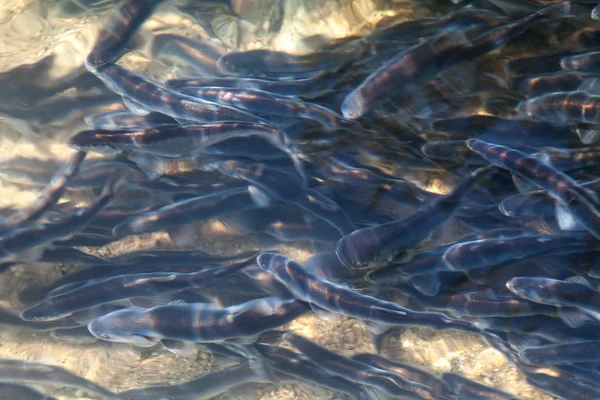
point(62, 33)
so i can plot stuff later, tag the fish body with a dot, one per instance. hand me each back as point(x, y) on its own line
point(173, 141)
point(152, 96)
point(288, 188)
point(336, 298)
point(114, 37)
point(196, 322)
point(574, 293)
point(376, 246)
point(563, 107)
point(121, 287)
point(15, 242)
point(186, 212)
point(580, 203)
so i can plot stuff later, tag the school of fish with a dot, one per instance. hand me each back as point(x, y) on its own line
point(326, 148)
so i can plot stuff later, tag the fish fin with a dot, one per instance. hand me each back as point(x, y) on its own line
point(377, 328)
point(580, 280)
point(260, 197)
point(245, 340)
point(448, 40)
point(561, 10)
point(460, 79)
point(482, 323)
point(588, 134)
point(565, 219)
point(182, 121)
point(142, 281)
point(543, 157)
point(179, 347)
point(271, 336)
point(153, 301)
point(31, 255)
point(594, 315)
point(324, 314)
point(428, 284)
point(476, 275)
point(550, 263)
point(263, 371)
point(378, 331)
point(185, 235)
point(135, 107)
point(518, 342)
point(372, 393)
point(523, 185)
point(590, 86)
point(572, 317)
point(176, 302)
point(487, 293)
point(194, 105)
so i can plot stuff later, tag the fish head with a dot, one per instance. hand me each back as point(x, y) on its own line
point(361, 249)
point(132, 325)
point(272, 263)
point(41, 311)
point(94, 141)
point(526, 288)
point(353, 106)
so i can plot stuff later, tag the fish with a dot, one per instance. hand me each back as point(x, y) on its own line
point(464, 19)
point(205, 387)
point(187, 211)
point(491, 252)
point(15, 243)
point(172, 141)
point(307, 87)
point(200, 55)
point(569, 159)
point(471, 390)
point(277, 64)
point(293, 364)
point(532, 86)
point(323, 294)
point(32, 372)
point(408, 372)
point(122, 287)
point(150, 261)
point(542, 326)
point(48, 198)
point(260, 101)
point(451, 150)
point(579, 203)
point(357, 371)
point(562, 387)
point(372, 247)
point(195, 322)
point(122, 25)
point(577, 106)
point(180, 141)
point(10, 391)
point(588, 62)
point(416, 64)
point(145, 95)
point(508, 132)
point(289, 188)
point(536, 203)
point(480, 304)
point(80, 336)
point(427, 59)
point(572, 292)
point(126, 120)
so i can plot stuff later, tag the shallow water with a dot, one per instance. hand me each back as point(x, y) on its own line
point(62, 33)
